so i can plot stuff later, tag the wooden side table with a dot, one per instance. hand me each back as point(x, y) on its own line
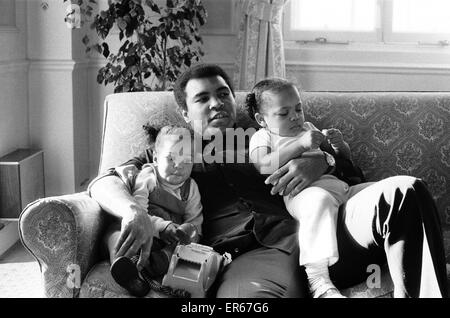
point(21, 181)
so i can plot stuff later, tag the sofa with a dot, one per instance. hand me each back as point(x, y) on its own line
point(390, 133)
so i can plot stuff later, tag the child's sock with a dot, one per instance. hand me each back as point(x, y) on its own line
point(319, 281)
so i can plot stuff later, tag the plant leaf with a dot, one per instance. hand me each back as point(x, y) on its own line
point(85, 40)
point(105, 49)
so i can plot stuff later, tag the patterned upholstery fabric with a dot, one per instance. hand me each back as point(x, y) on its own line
point(62, 233)
point(393, 133)
point(389, 133)
point(100, 284)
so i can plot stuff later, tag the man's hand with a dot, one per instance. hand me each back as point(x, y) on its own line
point(136, 234)
point(297, 174)
point(169, 234)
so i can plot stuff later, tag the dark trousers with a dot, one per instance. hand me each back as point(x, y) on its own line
point(394, 220)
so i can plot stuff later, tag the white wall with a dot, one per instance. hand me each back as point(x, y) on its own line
point(14, 129)
point(58, 108)
point(14, 132)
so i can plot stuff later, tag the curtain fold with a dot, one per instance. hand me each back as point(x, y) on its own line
point(260, 51)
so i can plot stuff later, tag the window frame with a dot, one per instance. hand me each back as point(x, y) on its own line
point(383, 32)
point(330, 36)
point(389, 36)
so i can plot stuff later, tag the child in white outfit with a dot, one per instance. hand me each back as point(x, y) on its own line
point(276, 106)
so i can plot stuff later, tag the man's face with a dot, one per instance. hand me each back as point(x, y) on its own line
point(211, 107)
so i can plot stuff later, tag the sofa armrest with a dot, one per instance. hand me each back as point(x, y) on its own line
point(63, 233)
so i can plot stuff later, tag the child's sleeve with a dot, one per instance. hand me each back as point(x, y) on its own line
point(128, 174)
point(261, 138)
point(145, 184)
point(141, 183)
point(193, 213)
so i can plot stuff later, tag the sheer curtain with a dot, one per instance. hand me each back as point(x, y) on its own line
point(260, 51)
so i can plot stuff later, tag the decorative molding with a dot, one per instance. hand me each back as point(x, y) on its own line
point(58, 65)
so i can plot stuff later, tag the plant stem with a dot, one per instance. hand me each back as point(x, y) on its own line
point(164, 63)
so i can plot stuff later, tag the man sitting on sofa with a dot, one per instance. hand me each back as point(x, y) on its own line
point(393, 220)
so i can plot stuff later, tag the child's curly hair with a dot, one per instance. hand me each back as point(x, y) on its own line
point(255, 98)
point(155, 135)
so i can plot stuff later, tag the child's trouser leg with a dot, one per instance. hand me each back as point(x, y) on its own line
point(316, 210)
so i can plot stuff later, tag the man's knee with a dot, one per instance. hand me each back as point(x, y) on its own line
point(243, 288)
point(400, 211)
point(402, 181)
point(400, 190)
point(263, 273)
point(238, 287)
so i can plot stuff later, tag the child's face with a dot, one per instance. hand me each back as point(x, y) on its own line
point(173, 165)
point(282, 112)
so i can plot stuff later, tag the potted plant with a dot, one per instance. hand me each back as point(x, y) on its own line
point(157, 42)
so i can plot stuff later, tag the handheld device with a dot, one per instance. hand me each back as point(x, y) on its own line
point(194, 268)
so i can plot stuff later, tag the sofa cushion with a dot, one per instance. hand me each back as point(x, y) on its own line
point(100, 284)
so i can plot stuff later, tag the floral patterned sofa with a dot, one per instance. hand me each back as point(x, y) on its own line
point(389, 133)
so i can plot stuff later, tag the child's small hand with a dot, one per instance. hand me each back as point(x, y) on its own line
point(187, 233)
point(334, 136)
point(169, 234)
point(311, 139)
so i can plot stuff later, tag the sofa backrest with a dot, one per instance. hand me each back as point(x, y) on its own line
point(390, 133)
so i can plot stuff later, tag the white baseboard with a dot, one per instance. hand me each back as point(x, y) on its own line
point(9, 235)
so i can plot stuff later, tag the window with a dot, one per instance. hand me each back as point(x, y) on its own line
point(423, 21)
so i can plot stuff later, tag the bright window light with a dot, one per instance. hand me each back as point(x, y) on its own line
point(421, 16)
point(342, 15)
